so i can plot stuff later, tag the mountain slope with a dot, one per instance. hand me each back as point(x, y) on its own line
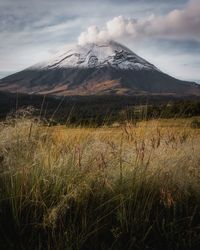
point(108, 68)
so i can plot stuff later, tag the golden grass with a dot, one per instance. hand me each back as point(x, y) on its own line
point(76, 185)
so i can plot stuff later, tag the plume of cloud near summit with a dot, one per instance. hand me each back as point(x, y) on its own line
point(178, 24)
point(115, 28)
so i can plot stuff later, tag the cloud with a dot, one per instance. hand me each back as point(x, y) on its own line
point(177, 24)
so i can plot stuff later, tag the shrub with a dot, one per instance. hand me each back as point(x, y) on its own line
point(195, 123)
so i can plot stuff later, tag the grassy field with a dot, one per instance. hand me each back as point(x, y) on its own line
point(131, 186)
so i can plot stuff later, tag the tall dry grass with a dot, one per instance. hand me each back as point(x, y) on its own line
point(127, 187)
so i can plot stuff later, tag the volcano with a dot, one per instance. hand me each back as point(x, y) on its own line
point(97, 69)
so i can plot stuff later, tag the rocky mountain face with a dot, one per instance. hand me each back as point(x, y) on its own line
point(97, 69)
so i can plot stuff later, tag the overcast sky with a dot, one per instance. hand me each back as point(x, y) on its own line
point(167, 33)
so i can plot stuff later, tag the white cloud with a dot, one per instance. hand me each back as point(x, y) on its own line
point(177, 24)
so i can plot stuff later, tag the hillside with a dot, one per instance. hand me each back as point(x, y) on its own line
point(97, 69)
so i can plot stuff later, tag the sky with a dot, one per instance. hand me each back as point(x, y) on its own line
point(166, 33)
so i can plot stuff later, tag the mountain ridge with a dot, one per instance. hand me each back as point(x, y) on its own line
point(97, 55)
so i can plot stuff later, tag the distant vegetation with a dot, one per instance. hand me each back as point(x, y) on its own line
point(130, 187)
point(98, 110)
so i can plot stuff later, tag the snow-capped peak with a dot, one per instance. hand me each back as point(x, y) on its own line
point(97, 55)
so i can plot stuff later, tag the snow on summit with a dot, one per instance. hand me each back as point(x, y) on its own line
point(108, 54)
